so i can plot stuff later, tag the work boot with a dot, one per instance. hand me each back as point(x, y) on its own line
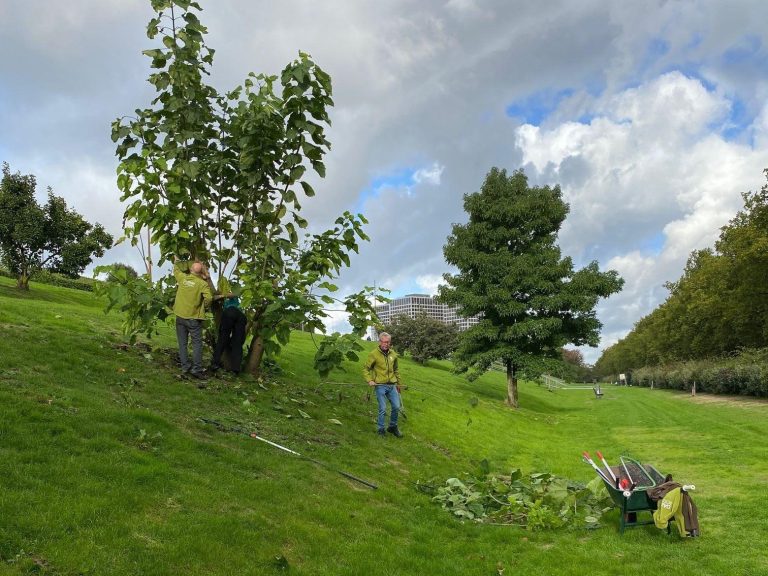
point(381, 432)
point(394, 430)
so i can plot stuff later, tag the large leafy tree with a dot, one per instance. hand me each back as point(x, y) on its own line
point(218, 177)
point(511, 273)
point(52, 236)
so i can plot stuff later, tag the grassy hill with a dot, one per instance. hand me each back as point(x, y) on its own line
point(107, 468)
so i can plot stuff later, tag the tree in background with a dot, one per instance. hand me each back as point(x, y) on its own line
point(511, 273)
point(575, 369)
point(217, 177)
point(130, 271)
point(51, 237)
point(423, 337)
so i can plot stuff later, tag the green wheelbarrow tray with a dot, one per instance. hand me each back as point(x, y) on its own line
point(638, 500)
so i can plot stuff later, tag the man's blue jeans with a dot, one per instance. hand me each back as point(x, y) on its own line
point(384, 392)
point(186, 329)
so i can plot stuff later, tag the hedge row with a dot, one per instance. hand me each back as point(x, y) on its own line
point(46, 277)
point(745, 374)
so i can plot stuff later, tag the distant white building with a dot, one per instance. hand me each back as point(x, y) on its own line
point(413, 304)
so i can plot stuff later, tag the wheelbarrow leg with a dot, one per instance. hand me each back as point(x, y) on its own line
point(624, 513)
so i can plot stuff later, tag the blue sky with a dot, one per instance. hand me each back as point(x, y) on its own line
point(650, 115)
point(535, 108)
point(400, 178)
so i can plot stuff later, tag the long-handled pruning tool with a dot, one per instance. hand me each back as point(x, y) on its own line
point(588, 459)
point(225, 428)
point(615, 480)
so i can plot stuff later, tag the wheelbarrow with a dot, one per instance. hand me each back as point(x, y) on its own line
point(629, 492)
point(632, 487)
point(628, 484)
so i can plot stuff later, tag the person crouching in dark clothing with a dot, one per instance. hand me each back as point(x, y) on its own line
point(231, 335)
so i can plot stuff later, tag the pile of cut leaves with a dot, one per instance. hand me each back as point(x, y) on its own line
point(537, 501)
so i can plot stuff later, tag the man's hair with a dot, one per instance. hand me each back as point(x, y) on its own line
point(196, 268)
point(384, 334)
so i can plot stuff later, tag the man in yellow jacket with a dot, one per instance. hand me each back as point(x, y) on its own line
point(193, 296)
point(382, 373)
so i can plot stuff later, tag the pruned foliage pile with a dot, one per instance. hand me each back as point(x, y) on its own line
point(536, 501)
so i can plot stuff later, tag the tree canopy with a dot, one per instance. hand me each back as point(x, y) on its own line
point(52, 236)
point(530, 300)
point(423, 336)
point(218, 177)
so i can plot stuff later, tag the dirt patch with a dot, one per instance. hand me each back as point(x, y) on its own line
point(740, 401)
point(437, 448)
point(8, 326)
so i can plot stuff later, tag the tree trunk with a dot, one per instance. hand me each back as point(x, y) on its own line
point(22, 282)
point(255, 354)
point(511, 386)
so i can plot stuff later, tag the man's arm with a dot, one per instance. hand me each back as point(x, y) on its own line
point(396, 371)
point(180, 269)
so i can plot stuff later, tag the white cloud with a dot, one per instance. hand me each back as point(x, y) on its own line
point(760, 129)
point(337, 321)
point(429, 175)
point(429, 283)
point(650, 165)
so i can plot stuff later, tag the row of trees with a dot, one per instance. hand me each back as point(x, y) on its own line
point(425, 338)
point(717, 307)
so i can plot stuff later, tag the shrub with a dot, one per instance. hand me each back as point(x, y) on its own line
point(53, 279)
point(745, 373)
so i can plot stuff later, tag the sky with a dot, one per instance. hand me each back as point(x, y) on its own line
point(651, 115)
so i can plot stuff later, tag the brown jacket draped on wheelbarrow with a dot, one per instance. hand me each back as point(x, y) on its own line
point(674, 502)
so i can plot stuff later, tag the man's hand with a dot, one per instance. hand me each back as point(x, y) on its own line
point(371, 383)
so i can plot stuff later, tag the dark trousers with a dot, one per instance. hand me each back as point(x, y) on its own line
point(186, 329)
point(231, 338)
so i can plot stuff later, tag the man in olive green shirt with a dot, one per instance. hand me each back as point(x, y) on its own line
point(193, 296)
point(383, 374)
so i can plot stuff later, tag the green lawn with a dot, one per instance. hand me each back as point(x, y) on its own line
point(105, 467)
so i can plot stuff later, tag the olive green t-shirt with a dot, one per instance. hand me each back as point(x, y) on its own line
point(193, 294)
